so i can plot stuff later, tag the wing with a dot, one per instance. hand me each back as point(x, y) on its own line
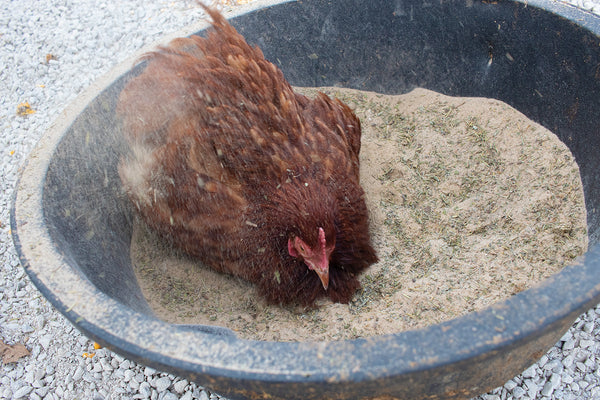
point(254, 123)
point(170, 187)
point(338, 133)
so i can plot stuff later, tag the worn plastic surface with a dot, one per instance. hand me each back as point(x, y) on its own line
point(72, 226)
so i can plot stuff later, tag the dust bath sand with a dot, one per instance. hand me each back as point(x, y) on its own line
point(470, 203)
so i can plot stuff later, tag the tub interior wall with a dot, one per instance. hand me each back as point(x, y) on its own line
point(540, 63)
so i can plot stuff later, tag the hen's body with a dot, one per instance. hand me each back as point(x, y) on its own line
point(230, 164)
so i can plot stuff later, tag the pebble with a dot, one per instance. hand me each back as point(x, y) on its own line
point(162, 384)
point(518, 392)
point(34, 396)
point(180, 386)
point(128, 375)
point(97, 367)
point(583, 385)
point(529, 372)
point(510, 385)
point(569, 344)
point(567, 379)
point(22, 392)
point(568, 361)
point(169, 396)
point(187, 396)
point(554, 366)
point(145, 390)
point(551, 385)
point(490, 397)
point(29, 377)
point(106, 367)
point(586, 343)
point(203, 396)
point(45, 341)
point(135, 385)
point(42, 391)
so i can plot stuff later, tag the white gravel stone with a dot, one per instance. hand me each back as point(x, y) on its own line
point(180, 386)
point(34, 396)
point(187, 396)
point(568, 361)
point(162, 384)
point(78, 373)
point(490, 397)
point(97, 367)
point(128, 374)
point(22, 392)
point(510, 385)
point(569, 344)
point(135, 385)
point(169, 396)
point(204, 396)
point(145, 390)
point(554, 366)
point(586, 343)
point(29, 377)
point(551, 385)
point(518, 392)
point(45, 341)
point(567, 379)
point(530, 372)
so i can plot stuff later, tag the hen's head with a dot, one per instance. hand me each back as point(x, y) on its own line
point(316, 256)
point(306, 212)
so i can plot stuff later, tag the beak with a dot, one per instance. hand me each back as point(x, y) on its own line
point(321, 268)
point(324, 276)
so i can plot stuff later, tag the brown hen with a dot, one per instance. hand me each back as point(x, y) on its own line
point(232, 166)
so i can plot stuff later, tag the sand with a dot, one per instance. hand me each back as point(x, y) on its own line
point(470, 202)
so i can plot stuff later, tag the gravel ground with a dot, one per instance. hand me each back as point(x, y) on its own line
point(86, 39)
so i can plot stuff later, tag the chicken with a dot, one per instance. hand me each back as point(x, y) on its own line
point(229, 164)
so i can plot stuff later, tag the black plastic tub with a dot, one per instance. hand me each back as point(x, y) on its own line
point(72, 226)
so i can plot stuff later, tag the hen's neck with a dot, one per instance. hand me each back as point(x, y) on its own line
point(297, 205)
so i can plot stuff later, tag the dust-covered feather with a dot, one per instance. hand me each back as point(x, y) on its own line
point(231, 165)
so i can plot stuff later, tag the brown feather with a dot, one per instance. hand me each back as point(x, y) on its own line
point(228, 163)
